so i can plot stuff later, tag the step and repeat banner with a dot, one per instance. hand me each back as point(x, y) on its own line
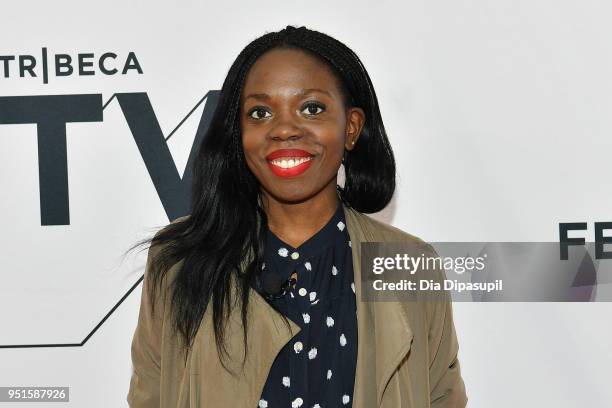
point(498, 115)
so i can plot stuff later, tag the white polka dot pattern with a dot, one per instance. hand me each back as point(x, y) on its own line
point(316, 368)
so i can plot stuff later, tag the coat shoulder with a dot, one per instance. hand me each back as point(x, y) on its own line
point(157, 247)
point(180, 219)
point(177, 220)
point(389, 233)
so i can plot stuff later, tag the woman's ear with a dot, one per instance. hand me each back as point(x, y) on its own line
point(355, 119)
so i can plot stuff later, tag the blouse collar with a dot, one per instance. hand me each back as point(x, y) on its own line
point(285, 256)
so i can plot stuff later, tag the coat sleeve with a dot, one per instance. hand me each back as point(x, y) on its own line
point(145, 387)
point(447, 389)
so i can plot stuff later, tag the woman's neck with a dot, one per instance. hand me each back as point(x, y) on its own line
point(294, 223)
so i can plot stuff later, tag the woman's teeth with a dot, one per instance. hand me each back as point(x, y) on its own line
point(290, 162)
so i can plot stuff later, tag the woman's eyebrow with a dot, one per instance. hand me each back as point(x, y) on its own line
point(301, 92)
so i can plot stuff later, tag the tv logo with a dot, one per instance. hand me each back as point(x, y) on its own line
point(51, 113)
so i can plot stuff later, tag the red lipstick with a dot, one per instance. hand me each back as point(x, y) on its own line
point(289, 162)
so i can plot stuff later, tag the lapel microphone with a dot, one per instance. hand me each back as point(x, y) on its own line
point(273, 286)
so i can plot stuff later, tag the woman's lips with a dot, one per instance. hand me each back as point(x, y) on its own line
point(289, 162)
point(290, 166)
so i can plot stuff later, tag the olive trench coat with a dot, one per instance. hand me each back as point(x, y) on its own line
point(406, 358)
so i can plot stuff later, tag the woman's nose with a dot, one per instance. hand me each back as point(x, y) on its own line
point(286, 128)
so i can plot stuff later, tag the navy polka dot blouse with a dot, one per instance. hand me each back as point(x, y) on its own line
point(316, 368)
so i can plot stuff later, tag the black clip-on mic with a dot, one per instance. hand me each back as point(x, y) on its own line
point(273, 287)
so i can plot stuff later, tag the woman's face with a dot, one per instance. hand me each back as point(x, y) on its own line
point(291, 100)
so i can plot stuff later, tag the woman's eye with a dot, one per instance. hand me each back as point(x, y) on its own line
point(311, 108)
point(259, 111)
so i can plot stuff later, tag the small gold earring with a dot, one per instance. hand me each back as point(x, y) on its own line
point(353, 142)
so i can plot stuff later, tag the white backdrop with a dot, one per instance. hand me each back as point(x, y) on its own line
point(498, 113)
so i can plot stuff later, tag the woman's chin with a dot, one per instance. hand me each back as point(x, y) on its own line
point(294, 195)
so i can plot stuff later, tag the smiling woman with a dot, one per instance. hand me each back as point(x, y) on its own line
point(267, 265)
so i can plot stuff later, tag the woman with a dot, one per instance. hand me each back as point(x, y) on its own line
point(252, 300)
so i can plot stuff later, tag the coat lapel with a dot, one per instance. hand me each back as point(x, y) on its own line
point(267, 334)
point(384, 339)
point(384, 334)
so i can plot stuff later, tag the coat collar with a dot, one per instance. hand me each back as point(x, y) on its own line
point(384, 339)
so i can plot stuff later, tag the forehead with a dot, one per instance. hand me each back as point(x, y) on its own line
point(281, 70)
